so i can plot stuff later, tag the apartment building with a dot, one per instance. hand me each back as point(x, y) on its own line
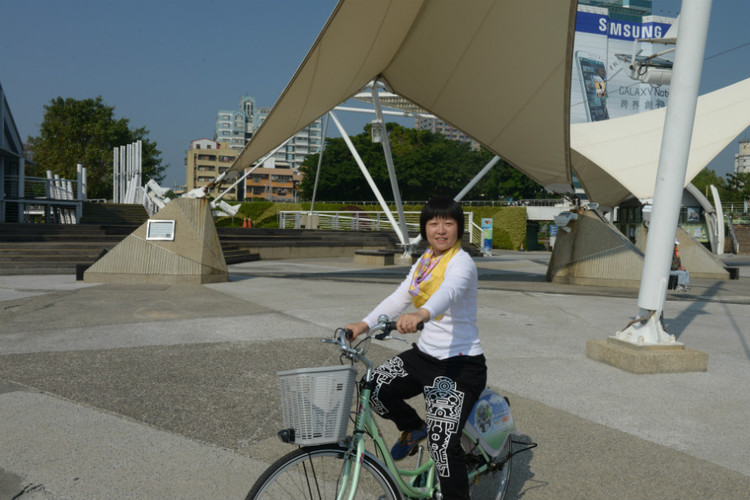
point(205, 161)
point(279, 183)
point(445, 129)
point(742, 159)
point(307, 141)
point(236, 127)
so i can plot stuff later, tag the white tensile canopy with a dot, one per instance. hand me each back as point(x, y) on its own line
point(616, 158)
point(497, 69)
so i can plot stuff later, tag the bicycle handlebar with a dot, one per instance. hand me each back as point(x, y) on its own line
point(389, 327)
point(386, 328)
point(381, 331)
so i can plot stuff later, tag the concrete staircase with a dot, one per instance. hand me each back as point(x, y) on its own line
point(113, 214)
point(59, 248)
point(52, 248)
point(743, 238)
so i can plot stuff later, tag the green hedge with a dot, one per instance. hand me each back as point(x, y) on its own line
point(508, 225)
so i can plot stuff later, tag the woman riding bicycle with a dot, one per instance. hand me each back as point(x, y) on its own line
point(447, 364)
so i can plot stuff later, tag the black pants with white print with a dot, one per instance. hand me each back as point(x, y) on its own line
point(451, 387)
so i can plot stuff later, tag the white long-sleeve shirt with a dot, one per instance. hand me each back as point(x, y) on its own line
point(455, 333)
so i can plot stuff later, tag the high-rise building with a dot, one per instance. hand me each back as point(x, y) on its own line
point(742, 159)
point(236, 127)
point(447, 130)
point(307, 141)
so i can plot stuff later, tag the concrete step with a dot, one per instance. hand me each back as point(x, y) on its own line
point(113, 213)
point(60, 238)
point(57, 249)
point(743, 238)
point(39, 269)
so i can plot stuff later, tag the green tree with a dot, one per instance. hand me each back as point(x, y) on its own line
point(86, 131)
point(426, 164)
point(706, 178)
point(738, 189)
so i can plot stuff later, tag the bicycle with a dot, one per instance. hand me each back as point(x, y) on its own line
point(316, 404)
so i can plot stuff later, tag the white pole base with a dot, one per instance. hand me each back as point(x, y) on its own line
point(647, 333)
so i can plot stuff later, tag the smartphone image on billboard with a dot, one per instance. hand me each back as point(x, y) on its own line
point(592, 74)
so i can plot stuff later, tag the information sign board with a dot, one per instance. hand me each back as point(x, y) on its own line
point(160, 230)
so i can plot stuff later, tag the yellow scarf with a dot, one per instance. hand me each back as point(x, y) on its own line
point(429, 274)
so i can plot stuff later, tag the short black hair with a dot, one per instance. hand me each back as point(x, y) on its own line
point(443, 208)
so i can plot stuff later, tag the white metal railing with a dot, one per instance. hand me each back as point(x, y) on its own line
point(366, 221)
point(52, 199)
point(347, 220)
point(475, 234)
point(44, 188)
point(735, 208)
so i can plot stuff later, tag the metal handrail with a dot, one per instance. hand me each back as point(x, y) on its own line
point(53, 199)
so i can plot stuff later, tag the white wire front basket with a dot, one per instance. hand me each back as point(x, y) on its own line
point(316, 402)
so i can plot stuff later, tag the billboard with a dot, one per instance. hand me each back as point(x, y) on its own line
point(601, 83)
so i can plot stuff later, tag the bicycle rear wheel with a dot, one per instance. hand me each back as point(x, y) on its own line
point(493, 485)
point(314, 473)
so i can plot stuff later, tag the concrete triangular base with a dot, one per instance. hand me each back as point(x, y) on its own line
point(194, 256)
point(594, 252)
point(696, 258)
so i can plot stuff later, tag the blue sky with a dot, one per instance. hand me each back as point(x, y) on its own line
point(170, 65)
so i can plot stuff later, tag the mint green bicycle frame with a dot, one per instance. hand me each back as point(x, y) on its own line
point(365, 423)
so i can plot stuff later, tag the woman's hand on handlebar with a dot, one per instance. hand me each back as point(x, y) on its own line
point(409, 322)
point(357, 329)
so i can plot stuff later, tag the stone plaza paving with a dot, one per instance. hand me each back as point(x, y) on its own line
point(144, 391)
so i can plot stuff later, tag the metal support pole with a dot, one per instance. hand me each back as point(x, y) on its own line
point(21, 189)
point(403, 238)
point(477, 178)
point(259, 163)
point(389, 164)
point(405, 114)
point(133, 168)
point(79, 192)
point(85, 184)
point(79, 181)
point(115, 176)
point(121, 174)
point(670, 177)
point(139, 172)
point(720, 236)
point(320, 161)
point(468, 188)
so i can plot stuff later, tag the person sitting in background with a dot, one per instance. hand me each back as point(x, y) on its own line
point(683, 276)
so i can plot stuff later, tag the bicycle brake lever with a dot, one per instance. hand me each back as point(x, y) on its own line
point(391, 337)
point(340, 336)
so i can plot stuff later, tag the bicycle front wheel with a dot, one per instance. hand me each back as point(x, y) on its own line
point(314, 473)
